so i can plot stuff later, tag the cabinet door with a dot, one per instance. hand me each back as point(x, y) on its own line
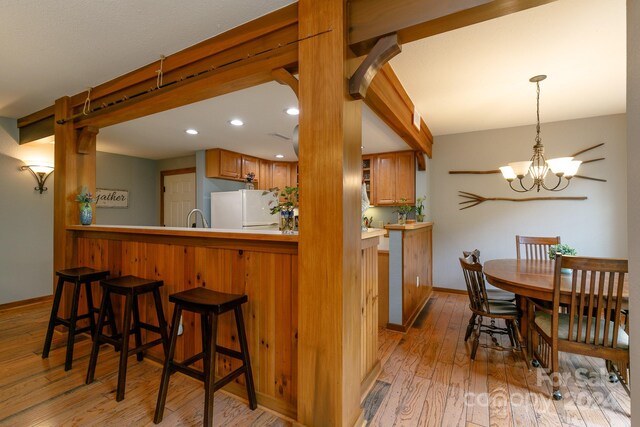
point(264, 177)
point(385, 173)
point(293, 174)
point(406, 177)
point(250, 164)
point(230, 164)
point(280, 176)
point(367, 175)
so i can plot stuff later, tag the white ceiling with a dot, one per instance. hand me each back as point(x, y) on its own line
point(469, 79)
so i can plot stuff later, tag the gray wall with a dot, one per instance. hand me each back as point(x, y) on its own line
point(595, 227)
point(633, 198)
point(26, 229)
point(139, 177)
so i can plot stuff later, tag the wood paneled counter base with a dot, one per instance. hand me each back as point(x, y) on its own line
point(264, 266)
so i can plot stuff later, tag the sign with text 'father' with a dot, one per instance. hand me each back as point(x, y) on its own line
point(107, 198)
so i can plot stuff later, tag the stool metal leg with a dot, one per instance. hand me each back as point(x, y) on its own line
point(244, 348)
point(211, 322)
point(136, 328)
point(167, 369)
point(96, 338)
point(124, 351)
point(52, 318)
point(72, 326)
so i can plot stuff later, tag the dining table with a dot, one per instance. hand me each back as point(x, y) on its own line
point(531, 278)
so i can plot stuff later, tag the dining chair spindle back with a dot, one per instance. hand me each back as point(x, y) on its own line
point(529, 247)
point(592, 323)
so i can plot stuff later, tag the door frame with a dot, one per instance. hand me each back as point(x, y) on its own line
point(162, 175)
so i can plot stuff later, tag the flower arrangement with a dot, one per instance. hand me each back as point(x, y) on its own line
point(250, 177)
point(404, 208)
point(85, 196)
point(563, 249)
point(287, 199)
point(420, 208)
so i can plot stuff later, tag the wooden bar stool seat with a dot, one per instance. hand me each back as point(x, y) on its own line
point(210, 304)
point(131, 287)
point(76, 277)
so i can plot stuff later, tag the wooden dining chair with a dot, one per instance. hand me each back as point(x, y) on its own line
point(493, 295)
point(528, 247)
point(483, 308)
point(592, 325)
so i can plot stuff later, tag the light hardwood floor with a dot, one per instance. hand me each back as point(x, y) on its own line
point(427, 379)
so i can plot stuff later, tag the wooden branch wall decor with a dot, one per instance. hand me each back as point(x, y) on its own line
point(494, 171)
point(475, 199)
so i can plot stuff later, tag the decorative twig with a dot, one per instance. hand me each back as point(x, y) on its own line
point(475, 199)
point(588, 177)
point(588, 149)
point(475, 172)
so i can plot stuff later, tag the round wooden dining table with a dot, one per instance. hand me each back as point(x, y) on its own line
point(530, 278)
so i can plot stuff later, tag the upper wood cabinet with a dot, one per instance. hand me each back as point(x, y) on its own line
point(395, 178)
point(250, 164)
point(265, 181)
point(281, 175)
point(223, 164)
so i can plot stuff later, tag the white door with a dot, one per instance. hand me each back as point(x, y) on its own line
point(179, 198)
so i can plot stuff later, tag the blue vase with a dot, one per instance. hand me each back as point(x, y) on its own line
point(86, 214)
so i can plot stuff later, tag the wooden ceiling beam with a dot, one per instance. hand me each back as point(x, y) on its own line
point(388, 99)
point(417, 19)
point(284, 77)
point(278, 28)
point(238, 76)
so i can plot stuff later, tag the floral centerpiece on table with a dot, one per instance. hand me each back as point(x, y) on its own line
point(85, 198)
point(420, 208)
point(403, 210)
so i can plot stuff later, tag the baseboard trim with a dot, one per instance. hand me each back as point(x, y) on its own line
point(25, 302)
point(450, 291)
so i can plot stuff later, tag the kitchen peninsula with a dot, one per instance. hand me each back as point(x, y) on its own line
point(263, 264)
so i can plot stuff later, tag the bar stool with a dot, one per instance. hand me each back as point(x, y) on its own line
point(210, 304)
point(130, 287)
point(77, 277)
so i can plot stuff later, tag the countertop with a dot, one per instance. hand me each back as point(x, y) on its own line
point(241, 234)
point(219, 233)
point(412, 226)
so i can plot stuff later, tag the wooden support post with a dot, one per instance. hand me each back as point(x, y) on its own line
point(72, 172)
point(329, 241)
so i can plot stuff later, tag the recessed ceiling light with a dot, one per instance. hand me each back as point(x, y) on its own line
point(292, 111)
point(236, 122)
point(191, 131)
point(279, 156)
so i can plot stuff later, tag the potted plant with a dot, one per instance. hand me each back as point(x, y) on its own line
point(420, 208)
point(249, 178)
point(287, 204)
point(85, 198)
point(403, 210)
point(564, 250)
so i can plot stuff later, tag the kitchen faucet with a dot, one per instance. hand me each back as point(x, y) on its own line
point(204, 221)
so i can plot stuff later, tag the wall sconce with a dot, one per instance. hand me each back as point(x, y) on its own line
point(40, 173)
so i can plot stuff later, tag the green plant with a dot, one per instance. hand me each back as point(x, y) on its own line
point(420, 205)
point(85, 196)
point(287, 199)
point(563, 249)
point(404, 208)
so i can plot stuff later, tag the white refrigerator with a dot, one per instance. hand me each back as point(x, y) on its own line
point(242, 208)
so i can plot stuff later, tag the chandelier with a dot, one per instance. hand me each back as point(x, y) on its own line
point(538, 166)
